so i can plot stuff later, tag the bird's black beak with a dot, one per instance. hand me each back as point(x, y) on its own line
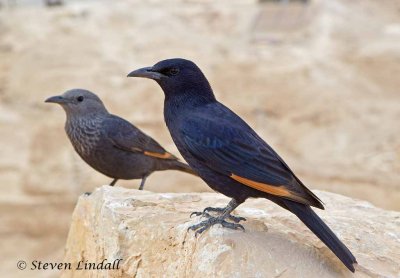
point(57, 99)
point(146, 72)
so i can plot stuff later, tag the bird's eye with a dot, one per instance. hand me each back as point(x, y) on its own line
point(80, 98)
point(173, 71)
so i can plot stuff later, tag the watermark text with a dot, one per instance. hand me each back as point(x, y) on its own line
point(81, 265)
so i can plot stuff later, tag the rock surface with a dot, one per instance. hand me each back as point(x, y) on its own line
point(148, 231)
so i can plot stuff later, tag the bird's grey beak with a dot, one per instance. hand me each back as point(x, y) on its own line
point(146, 72)
point(57, 99)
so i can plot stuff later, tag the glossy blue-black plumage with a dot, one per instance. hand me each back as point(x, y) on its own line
point(218, 143)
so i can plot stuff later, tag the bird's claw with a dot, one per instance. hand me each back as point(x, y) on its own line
point(205, 213)
point(207, 209)
point(196, 213)
point(236, 219)
point(211, 221)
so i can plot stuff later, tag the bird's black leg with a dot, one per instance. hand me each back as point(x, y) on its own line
point(142, 182)
point(204, 225)
point(205, 213)
point(113, 182)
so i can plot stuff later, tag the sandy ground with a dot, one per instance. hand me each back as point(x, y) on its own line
point(318, 82)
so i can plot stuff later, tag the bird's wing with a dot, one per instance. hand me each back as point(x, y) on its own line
point(125, 136)
point(238, 152)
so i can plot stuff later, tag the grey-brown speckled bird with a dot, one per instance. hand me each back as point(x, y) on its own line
point(110, 144)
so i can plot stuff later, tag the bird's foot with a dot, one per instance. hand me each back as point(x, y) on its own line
point(219, 211)
point(211, 221)
point(211, 209)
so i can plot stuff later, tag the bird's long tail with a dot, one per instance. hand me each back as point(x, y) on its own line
point(180, 166)
point(323, 232)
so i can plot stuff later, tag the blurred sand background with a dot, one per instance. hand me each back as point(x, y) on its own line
point(318, 81)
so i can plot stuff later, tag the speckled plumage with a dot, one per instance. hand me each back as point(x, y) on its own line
point(110, 144)
point(84, 133)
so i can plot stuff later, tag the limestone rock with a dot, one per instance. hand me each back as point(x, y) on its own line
point(148, 231)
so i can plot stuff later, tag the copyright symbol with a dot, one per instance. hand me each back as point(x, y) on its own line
point(21, 265)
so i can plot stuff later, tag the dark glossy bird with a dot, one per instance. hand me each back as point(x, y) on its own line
point(110, 144)
point(229, 155)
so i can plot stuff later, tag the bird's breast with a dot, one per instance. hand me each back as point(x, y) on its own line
point(84, 135)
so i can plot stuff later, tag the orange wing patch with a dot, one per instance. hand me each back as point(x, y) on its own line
point(165, 155)
point(270, 189)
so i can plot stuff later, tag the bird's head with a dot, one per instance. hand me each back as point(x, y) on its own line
point(176, 77)
point(79, 102)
